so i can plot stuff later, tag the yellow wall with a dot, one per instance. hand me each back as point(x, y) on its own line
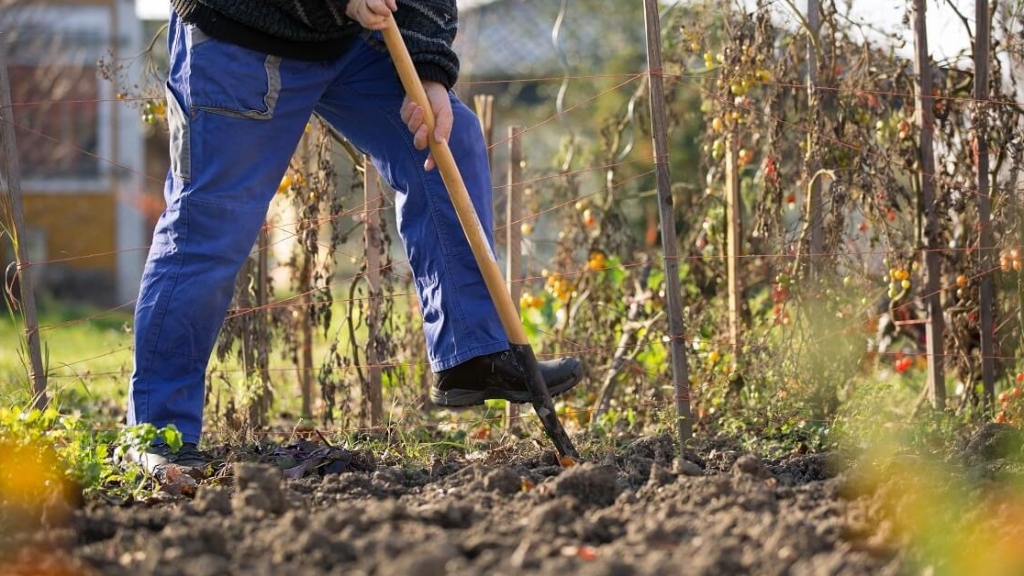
point(76, 225)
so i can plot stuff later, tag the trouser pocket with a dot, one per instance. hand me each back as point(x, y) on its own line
point(231, 80)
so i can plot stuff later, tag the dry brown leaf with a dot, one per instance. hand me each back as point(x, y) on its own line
point(175, 480)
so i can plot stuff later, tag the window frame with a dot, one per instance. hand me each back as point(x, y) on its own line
point(74, 20)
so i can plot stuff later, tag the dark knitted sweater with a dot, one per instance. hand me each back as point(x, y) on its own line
point(320, 30)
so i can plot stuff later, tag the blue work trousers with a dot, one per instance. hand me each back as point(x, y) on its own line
point(235, 117)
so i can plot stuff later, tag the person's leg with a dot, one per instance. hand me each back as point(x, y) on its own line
point(466, 343)
point(235, 117)
point(459, 318)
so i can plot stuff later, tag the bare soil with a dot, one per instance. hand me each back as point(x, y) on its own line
point(643, 510)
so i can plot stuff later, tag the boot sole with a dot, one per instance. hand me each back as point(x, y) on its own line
point(466, 398)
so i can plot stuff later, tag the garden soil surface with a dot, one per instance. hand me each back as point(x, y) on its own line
point(645, 509)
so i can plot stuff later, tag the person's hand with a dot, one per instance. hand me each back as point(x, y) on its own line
point(371, 14)
point(414, 117)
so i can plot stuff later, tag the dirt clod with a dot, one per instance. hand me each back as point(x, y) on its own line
point(212, 499)
point(503, 480)
point(257, 488)
point(660, 475)
point(428, 560)
point(686, 467)
point(590, 484)
point(750, 465)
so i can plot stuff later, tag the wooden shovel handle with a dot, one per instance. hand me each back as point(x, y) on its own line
point(540, 397)
point(471, 226)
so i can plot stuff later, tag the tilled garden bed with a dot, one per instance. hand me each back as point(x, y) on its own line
point(642, 510)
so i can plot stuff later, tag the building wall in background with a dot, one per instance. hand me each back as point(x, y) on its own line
point(80, 148)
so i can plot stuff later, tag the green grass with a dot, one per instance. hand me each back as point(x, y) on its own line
point(87, 353)
point(88, 356)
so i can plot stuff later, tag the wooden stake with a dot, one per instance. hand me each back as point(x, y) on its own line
point(514, 237)
point(930, 294)
point(817, 244)
point(373, 402)
point(12, 174)
point(262, 312)
point(485, 112)
point(734, 246)
point(306, 369)
point(659, 122)
point(986, 296)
